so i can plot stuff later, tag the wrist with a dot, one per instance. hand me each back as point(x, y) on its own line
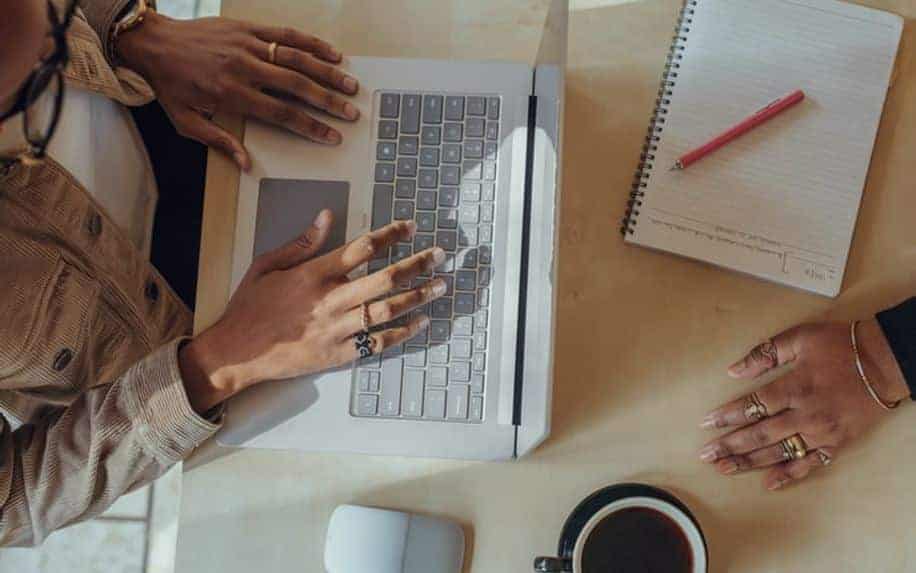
point(137, 47)
point(209, 379)
point(881, 364)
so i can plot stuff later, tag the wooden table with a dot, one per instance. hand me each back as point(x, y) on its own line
point(626, 408)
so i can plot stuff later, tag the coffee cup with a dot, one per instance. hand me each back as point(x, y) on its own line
point(629, 527)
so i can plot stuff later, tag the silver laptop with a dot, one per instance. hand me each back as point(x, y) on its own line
point(470, 152)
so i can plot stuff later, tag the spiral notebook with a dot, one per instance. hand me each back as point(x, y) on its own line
point(781, 202)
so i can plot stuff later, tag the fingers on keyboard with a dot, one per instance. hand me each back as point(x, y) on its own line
point(343, 260)
point(384, 281)
point(386, 310)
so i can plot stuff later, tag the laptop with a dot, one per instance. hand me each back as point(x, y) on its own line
point(470, 151)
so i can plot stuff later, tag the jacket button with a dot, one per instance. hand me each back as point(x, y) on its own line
point(63, 359)
point(152, 291)
point(94, 224)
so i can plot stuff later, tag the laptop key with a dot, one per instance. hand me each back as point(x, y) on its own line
point(439, 330)
point(415, 356)
point(476, 126)
point(448, 219)
point(412, 399)
point(447, 240)
point(367, 405)
point(409, 145)
point(486, 212)
point(477, 383)
point(488, 191)
point(421, 242)
point(438, 354)
point(492, 131)
point(368, 381)
point(479, 363)
point(426, 221)
point(432, 109)
point(454, 108)
point(458, 403)
point(467, 236)
point(391, 386)
point(472, 170)
point(477, 105)
point(470, 192)
point(459, 372)
point(486, 255)
point(410, 114)
point(466, 280)
point(403, 210)
point(463, 325)
point(486, 234)
point(429, 157)
point(381, 206)
point(405, 188)
point(426, 200)
point(481, 320)
point(438, 376)
point(473, 149)
point(435, 404)
point(442, 308)
point(483, 297)
point(407, 167)
point(465, 303)
point(489, 171)
point(461, 348)
point(386, 151)
point(493, 108)
point(490, 150)
point(384, 172)
point(448, 197)
point(429, 178)
point(469, 259)
point(483, 277)
point(432, 135)
point(453, 132)
point(450, 175)
point(387, 129)
point(476, 413)
point(451, 153)
point(469, 213)
point(390, 106)
point(480, 341)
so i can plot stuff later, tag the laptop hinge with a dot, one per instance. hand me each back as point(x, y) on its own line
point(523, 282)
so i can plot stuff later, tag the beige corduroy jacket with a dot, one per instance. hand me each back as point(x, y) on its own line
point(92, 404)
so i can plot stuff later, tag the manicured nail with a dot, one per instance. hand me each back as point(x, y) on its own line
point(424, 322)
point(438, 256)
point(350, 111)
point(709, 423)
point(729, 467)
point(708, 454)
point(323, 220)
point(334, 137)
point(351, 84)
point(439, 287)
point(738, 368)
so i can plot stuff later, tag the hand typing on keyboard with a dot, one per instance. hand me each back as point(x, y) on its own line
point(294, 314)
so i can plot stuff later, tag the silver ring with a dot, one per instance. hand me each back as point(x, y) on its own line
point(364, 316)
point(754, 409)
point(826, 459)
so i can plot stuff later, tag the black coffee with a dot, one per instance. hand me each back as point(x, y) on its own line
point(637, 540)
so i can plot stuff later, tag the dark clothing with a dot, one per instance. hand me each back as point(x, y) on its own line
point(899, 325)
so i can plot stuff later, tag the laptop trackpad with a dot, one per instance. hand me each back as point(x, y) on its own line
point(287, 207)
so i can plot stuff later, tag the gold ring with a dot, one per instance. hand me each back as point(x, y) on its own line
point(754, 409)
point(795, 446)
point(364, 316)
point(825, 458)
point(787, 453)
point(272, 53)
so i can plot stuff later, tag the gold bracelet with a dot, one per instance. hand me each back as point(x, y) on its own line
point(861, 369)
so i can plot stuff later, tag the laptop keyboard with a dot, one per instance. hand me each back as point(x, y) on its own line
point(436, 162)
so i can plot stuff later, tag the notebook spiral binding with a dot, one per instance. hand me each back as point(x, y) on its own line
point(656, 124)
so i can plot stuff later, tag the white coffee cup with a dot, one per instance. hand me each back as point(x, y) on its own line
point(686, 524)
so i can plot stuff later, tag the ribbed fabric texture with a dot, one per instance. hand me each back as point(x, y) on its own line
point(899, 326)
point(92, 404)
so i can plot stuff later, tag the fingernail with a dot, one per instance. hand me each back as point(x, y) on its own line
point(709, 423)
point(438, 256)
point(777, 485)
point(350, 111)
point(334, 137)
point(737, 368)
point(323, 220)
point(335, 53)
point(439, 287)
point(241, 161)
point(729, 468)
point(350, 84)
point(411, 227)
point(424, 322)
point(708, 454)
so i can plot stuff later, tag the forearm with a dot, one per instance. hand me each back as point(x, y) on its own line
point(899, 328)
point(73, 464)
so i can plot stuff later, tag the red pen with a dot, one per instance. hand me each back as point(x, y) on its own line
point(759, 118)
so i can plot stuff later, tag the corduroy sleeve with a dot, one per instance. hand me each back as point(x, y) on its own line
point(73, 464)
point(101, 15)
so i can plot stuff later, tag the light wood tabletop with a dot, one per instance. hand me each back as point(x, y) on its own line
point(643, 338)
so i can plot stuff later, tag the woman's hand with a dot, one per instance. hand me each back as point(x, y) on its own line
point(822, 399)
point(294, 315)
point(212, 65)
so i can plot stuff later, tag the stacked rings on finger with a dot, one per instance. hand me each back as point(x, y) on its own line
point(794, 448)
point(754, 409)
point(363, 340)
point(826, 459)
point(272, 52)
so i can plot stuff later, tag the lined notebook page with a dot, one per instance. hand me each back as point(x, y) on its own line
point(781, 202)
